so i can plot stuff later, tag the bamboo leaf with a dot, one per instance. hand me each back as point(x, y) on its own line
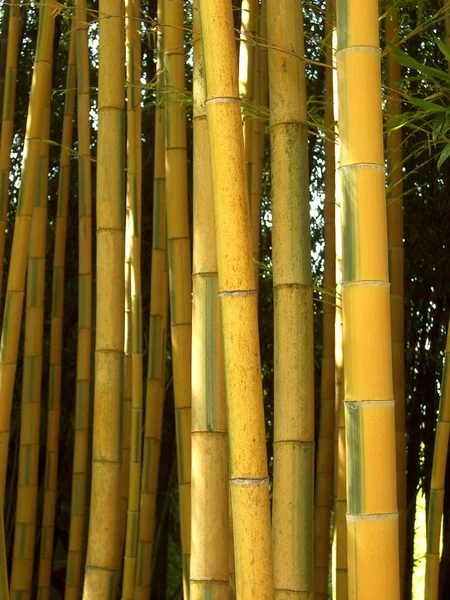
point(407, 61)
point(444, 155)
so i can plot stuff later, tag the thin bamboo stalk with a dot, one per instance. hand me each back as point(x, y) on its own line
point(4, 588)
point(210, 490)
point(157, 338)
point(57, 314)
point(78, 509)
point(248, 464)
point(372, 517)
point(178, 246)
point(103, 551)
point(437, 491)
point(39, 98)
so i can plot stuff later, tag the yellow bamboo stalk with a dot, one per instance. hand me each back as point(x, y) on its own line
point(103, 558)
point(325, 443)
point(157, 338)
point(372, 517)
point(28, 481)
point(210, 490)
point(248, 465)
point(437, 491)
point(7, 129)
point(39, 98)
point(57, 314)
point(178, 247)
point(133, 251)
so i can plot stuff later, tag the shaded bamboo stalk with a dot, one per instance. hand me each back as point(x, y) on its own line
point(248, 463)
point(78, 507)
point(7, 129)
point(103, 550)
point(4, 587)
point(39, 99)
point(178, 247)
point(210, 512)
point(57, 314)
point(437, 491)
point(325, 444)
point(157, 338)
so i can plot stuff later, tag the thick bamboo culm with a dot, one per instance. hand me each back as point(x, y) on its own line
point(157, 337)
point(248, 463)
point(178, 247)
point(80, 475)
point(7, 128)
point(372, 518)
point(437, 491)
point(210, 489)
point(325, 444)
point(39, 98)
point(394, 154)
point(56, 332)
point(133, 251)
point(103, 558)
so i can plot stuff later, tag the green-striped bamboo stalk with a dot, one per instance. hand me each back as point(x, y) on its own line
point(28, 481)
point(248, 464)
point(7, 129)
point(436, 503)
point(396, 272)
point(133, 245)
point(39, 98)
point(372, 518)
point(178, 247)
point(293, 487)
point(57, 314)
point(78, 508)
point(157, 338)
point(325, 444)
point(210, 490)
point(103, 558)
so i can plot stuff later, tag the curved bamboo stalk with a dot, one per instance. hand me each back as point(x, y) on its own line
point(103, 551)
point(157, 338)
point(178, 246)
point(57, 314)
point(7, 132)
point(437, 490)
point(325, 443)
point(210, 490)
point(78, 507)
point(372, 517)
point(39, 98)
point(248, 464)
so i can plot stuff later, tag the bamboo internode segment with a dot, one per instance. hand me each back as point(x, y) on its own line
point(56, 334)
point(210, 490)
point(39, 98)
point(7, 127)
point(372, 518)
point(293, 486)
point(78, 507)
point(248, 463)
point(436, 503)
point(103, 559)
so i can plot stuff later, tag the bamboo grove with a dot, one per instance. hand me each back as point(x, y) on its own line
point(224, 285)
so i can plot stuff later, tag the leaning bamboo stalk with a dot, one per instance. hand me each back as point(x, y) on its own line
point(248, 464)
point(372, 517)
point(178, 247)
point(40, 94)
point(437, 491)
point(80, 474)
point(28, 481)
point(325, 443)
point(210, 490)
point(7, 129)
point(103, 551)
point(57, 314)
point(157, 338)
